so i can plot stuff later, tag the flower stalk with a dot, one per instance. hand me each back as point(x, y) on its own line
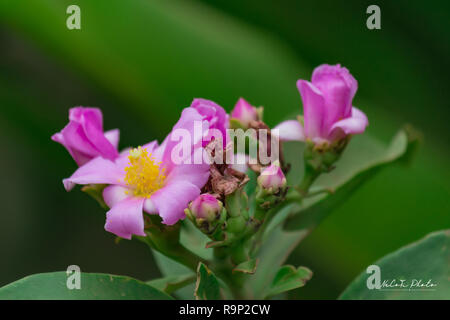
point(166, 240)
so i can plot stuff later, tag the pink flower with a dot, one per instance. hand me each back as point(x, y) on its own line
point(272, 178)
point(146, 180)
point(216, 117)
point(327, 107)
point(84, 138)
point(205, 207)
point(244, 112)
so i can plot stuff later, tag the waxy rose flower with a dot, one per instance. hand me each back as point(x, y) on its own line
point(84, 138)
point(205, 206)
point(272, 178)
point(327, 107)
point(217, 118)
point(244, 112)
point(146, 179)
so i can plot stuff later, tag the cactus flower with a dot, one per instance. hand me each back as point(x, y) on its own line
point(146, 180)
point(327, 107)
point(84, 138)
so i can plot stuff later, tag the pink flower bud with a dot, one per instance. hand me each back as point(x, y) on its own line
point(84, 138)
point(217, 119)
point(205, 206)
point(272, 178)
point(328, 111)
point(244, 112)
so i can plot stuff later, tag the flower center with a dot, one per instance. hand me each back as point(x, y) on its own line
point(143, 174)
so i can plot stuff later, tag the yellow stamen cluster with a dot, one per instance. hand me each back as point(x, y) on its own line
point(143, 175)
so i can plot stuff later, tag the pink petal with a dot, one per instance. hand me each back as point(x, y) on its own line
point(244, 112)
point(126, 218)
point(94, 131)
point(58, 137)
point(149, 206)
point(123, 161)
point(290, 130)
point(197, 174)
point(150, 147)
point(172, 199)
point(96, 116)
point(338, 87)
point(216, 117)
point(190, 118)
point(96, 171)
point(80, 158)
point(356, 124)
point(113, 137)
point(324, 71)
point(75, 138)
point(313, 108)
point(159, 150)
point(114, 194)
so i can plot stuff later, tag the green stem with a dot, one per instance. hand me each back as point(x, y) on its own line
point(293, 197)
point(176, 251)
point(223, 267)
point(320, 191)
point(308, 179)
point(268, 217)
point(238, 253)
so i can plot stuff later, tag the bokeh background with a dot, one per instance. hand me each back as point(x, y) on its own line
point(142, 61)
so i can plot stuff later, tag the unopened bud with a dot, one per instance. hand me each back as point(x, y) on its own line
point(244, 113)
point(272, 178)
point(206, 207)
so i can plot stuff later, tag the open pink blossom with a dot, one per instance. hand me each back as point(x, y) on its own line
point(84, 138)
point(217, 118)
point(327, 107)
point(146, 179)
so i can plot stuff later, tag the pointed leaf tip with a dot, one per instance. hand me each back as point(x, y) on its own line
point(207, 287)
point(289, 278)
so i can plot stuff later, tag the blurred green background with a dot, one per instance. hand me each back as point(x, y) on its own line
point(142, 61)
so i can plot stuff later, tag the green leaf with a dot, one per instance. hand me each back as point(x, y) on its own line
point(274, 251)
point(191, 237)
point(363, 158)
point(172, 283)
point(53, 286)
point(427, 259)
point(248, 266)
point(289, 278)
point(169, 268)
point(276, 247)
point(208, 287)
